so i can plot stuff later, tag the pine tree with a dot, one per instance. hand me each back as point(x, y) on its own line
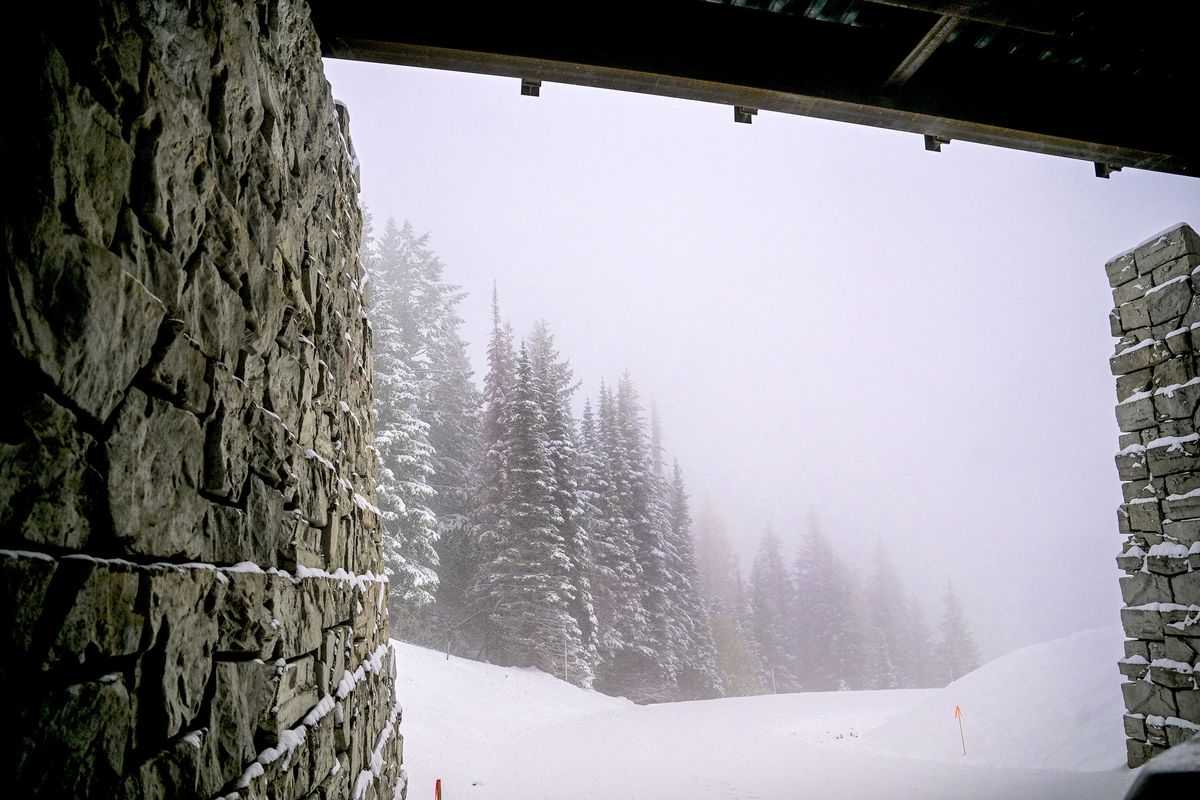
point(772, 614)
point(556, 387)
point(724, 596)
point(956, 651)
point(484, 543)
point(626, 557)
point(528, 584)
point(921, 648)
point(401, 440)
point(828, 634)
point(697, 673)
point(887, 627)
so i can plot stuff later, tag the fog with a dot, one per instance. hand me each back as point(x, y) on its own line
point(913, 346)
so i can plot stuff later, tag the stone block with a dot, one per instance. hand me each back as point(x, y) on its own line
point(103, 619)
point(244, 622)
point(1121, 269)
point(226, 440)
point(1186, 531)
point(226, 534)
point(113, 322)
point(1186, 588)
point(1131, 466)
point(267, 523)
point(1144, 490)
point(45, 479)
point(1188, 701)
point(1134, 314)
point(1145, 587)
point(1168, 301)
point(155, 456)
point(180, 770)
point(1178, 734)
point(1142, 697)
point(24, 580)
point(1146, 353)
point(331, 660)
point(1128, 292)
point(299, 615)
point(213, 313)
point(1178, 648)
point(1171, 676)
point(1168, 558)
point(295, 692)
point(179, 370)
point(171, 177)
point(1140, 623)
point(1171, 454)
point(1179, 242)
point(75, 742)
point(1178, 401)
point(270, 455)
point(173, 674)
point(243, 695)
point(1133, 669)
point(1175, 371)
point(1144, 516)
point(1136, 647)
point(1137, 413)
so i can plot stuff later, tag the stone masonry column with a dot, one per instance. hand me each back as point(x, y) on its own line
point(1156, 294)
point(192, 598)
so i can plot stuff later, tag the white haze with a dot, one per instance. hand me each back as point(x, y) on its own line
point(913, 345)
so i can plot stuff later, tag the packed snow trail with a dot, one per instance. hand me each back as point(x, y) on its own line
point(492, 733)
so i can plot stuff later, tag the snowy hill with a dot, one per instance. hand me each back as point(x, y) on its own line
point(1054, 704)
point(490, 732)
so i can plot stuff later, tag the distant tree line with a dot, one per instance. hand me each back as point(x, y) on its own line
point(816, 625)
point(520, 533)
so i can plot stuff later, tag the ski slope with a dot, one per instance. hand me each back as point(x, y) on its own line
point(1040, 723)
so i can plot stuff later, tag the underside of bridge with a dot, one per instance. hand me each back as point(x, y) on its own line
point(1085, 80)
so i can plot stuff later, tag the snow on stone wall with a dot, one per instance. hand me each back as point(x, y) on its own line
point(191, 594)
point(1156, 291)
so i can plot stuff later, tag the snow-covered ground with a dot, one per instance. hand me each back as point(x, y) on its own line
point(1042, 722)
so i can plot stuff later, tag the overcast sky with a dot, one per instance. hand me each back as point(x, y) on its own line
point(913, 345)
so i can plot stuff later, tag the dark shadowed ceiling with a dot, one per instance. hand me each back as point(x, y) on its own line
point(1108, 82)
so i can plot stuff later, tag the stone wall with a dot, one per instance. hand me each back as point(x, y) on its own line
point(191, 594)
point(1157, 364)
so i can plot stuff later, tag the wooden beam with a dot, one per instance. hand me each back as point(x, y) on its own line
point(924, 49)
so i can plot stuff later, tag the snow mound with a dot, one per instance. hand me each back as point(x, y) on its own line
point(1051, 705)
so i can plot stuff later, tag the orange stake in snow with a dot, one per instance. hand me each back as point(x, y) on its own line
point(957, 716)
point(437, 789)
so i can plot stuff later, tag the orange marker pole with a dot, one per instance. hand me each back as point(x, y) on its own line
point(957, 716)
point(437, 789)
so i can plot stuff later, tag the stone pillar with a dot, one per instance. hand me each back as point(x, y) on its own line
point(1157, 317)
point(193, 603)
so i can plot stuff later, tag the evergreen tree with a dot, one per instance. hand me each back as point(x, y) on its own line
point(556, 386)
point(401, 439)
point(887, 627)
point(724, 596)
point(772, 614)
point(528, 584)
point(828, 634)
point(956, 651)
point(921, 648)
point(697, 673)
point(484, 543)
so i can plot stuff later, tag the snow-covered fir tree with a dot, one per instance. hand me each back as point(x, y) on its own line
point(556, 386)
point(528, 584)
point(401, 436)
point(956, 652)
point(828, 644)
point(697, 673)
point(772, 614)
